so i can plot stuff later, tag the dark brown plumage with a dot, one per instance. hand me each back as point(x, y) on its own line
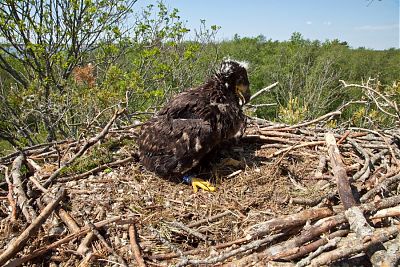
point(194, 122)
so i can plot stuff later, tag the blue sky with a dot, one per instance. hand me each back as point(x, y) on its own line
point(361, 23)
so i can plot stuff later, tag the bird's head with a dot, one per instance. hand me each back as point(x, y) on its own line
point(234, 76)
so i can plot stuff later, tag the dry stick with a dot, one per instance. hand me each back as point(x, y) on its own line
point(269, 87)
point(10, 195)
point(313, 202)
point(344, 137)
point(287, 221)
point(381, 204)
point(18, 244)
point(321, 166)
point(339, 172)
point(22, 199)
point(27, 149)
point(87, 145)
point(38, 184)
point(107, 246)
point(198, 250)
point(223, 256)
point(43, 250)
point(365, 171)
point(353, 213)
point(188, 230)
point(330, 244)
point(94, 170)
point(388, 146)
point(289, 248)
point(274, 146)
point(281, 134)
point(354, 246)
point(305, 249)
point(389, 212)
point(169, 244)
point(388, 101)
point(276, 126)
point(209, 219)
point(378, 156)
point(391, 256)
point(64, 216)
point(32, 166)
point(86, 259)
point(69, 221)
point(135, 246)
point(313, 143)
point(381, 187)
point(358, 223)
point(292, 246)
point(83, 247)
point(331, 114)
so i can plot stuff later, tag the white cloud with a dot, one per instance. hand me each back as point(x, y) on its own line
point(308, 22)
point(328, 23)
point(377, 27)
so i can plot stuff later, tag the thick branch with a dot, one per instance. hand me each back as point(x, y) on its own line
point(339, 171)
point(43, 250)
point(354, 246)
point(22, 199)
point(31, 230)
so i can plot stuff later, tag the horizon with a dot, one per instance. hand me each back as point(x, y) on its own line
point(359, 23)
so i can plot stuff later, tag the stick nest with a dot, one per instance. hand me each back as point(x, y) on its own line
point(280, 205)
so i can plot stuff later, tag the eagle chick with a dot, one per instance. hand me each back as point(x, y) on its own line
point(194, 122)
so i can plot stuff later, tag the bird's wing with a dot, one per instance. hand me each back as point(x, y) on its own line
point(188, 105)
point(171, 147)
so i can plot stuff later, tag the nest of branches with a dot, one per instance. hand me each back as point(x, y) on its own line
point(301, 195)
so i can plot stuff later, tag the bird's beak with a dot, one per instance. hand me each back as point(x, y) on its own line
point(243, 91)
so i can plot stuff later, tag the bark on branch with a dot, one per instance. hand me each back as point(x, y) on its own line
point(22, 199)
point(339, 172)
point(31, 230)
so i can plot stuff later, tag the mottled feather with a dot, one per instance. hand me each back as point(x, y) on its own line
point(193, 123)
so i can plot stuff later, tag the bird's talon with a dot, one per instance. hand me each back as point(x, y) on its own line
point(205, 185)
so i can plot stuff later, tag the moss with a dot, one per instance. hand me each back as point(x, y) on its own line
point(5, 148)
point(98, 156)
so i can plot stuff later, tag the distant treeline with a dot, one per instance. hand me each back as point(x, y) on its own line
point(309, 71)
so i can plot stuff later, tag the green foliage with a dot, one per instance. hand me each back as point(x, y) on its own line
point(48, 91)
point(105, 153)
point(161, 61)
point(375, 113)
point(293, 112)
point(98, 156)
point(309, 71)
point(42, 43)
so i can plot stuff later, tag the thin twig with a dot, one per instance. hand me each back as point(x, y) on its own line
point(269, 87)
point(107, 246)
point(86, 146)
